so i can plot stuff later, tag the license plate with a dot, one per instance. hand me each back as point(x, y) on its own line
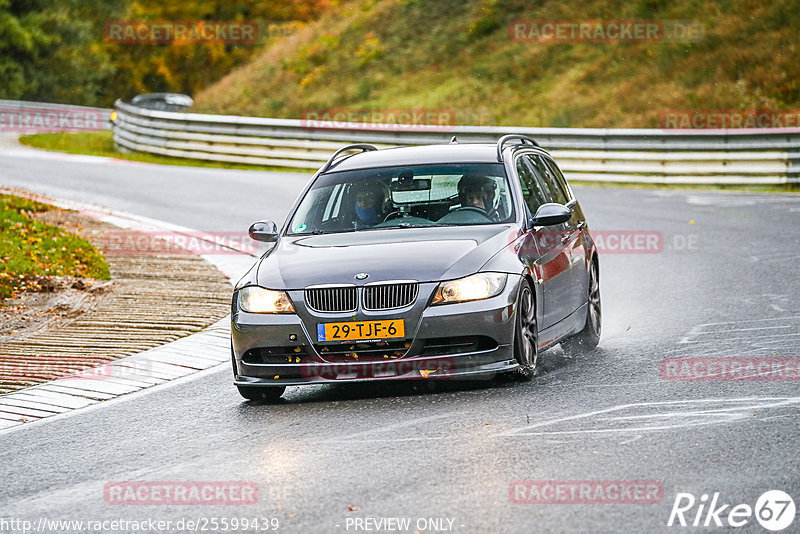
point(361, 330)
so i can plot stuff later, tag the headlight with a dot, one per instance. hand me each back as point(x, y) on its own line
point(256, 299)
point(476, 287)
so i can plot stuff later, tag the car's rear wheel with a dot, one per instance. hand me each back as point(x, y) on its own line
point(526, 334)
point(267, 393)
point(588, 338)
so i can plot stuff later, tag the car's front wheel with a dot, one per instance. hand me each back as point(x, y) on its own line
point(262, 394)
point(588, 338)
point(526, 334)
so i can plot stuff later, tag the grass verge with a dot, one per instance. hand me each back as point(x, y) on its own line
point(102, 144)
point(32, 251)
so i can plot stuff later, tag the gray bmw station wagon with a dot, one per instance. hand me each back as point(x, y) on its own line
point(432, 262)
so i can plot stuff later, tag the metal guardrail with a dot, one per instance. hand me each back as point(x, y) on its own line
point(768, 156)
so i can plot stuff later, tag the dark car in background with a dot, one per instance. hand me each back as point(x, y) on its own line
point(431, 262)
point(163, 101)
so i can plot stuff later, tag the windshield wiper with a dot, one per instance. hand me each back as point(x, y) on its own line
point(317, 231)
point(370, 228)
point(409, 225)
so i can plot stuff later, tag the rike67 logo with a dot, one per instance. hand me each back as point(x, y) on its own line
point(774, 510)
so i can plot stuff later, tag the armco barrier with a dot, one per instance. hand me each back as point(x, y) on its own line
point(768, 156)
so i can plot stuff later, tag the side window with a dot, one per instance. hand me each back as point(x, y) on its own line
point(333, 203)
point(559, 177)
point(532, 190)
point(556, 192)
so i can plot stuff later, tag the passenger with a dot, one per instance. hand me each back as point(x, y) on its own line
point(369, 201)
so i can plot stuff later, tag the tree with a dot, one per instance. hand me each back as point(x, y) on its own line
point(50, 52)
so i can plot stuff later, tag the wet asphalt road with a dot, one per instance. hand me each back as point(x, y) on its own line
point(724, 285)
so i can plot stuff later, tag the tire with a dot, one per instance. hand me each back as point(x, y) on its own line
point(261, 394)
point(526, 334)
point(587, 339)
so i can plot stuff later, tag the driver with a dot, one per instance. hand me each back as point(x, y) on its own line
point(478, 191)
point(369, 200)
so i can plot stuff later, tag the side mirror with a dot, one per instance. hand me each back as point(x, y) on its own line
point(265, 231)
point(551, 214)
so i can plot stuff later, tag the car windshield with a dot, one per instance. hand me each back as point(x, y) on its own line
point(405, 197)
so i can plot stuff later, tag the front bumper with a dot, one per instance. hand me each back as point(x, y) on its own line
point(452, 341)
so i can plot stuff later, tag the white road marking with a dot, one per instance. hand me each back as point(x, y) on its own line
point(751, 321)
point(706, 412)
point(739, 410)
point(769, 336)
point(744, 329)
point(759, 338)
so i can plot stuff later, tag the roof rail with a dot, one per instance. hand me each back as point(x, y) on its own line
point(506, 138)
point(361, 147)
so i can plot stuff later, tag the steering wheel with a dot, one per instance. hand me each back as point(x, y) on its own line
point(471, 208)
point(470, 215)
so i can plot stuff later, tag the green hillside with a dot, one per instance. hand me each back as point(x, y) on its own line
point(459, 55)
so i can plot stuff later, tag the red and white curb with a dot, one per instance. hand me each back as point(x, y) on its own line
point(176, 360)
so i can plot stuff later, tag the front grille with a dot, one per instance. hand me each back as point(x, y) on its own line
point(331, 299)
point(390, 295)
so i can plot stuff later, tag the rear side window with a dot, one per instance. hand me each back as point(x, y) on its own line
point(553, 188)
point(559, 177)
point(532, 188)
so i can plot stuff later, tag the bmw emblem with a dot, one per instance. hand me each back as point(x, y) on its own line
point(361, 276)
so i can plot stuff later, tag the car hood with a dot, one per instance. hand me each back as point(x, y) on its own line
point(423, 254)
